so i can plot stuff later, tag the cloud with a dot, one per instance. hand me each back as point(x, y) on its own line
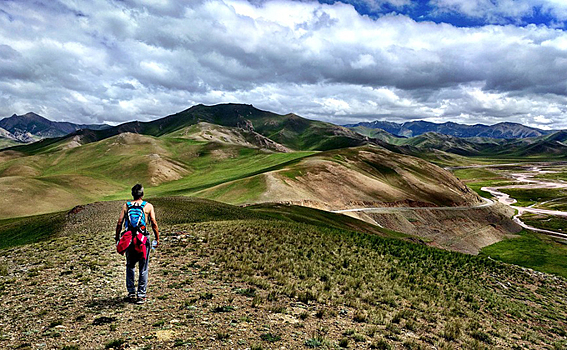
point(145, 59)
point(503, 11)
point(494, 11)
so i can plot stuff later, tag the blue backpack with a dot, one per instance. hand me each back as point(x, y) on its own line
point(135, 217)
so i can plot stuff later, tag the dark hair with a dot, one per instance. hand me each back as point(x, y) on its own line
point(137, 191)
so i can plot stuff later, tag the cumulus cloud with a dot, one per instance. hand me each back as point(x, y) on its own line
point(142, 59)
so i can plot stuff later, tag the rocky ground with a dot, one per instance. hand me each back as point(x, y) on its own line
point(68, 293)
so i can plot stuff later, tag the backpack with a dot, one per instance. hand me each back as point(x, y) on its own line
point(136, 234)
point(135, 217)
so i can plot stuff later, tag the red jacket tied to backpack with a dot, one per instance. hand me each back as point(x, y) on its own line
point(135, 231)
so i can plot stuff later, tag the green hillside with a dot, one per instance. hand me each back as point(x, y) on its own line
point(222, 163)
point(64, 177)
point(267, 277)
point(5, 143)
point(482, 148)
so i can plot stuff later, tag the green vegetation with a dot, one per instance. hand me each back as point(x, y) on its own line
point(209, 172)
point(252, 264)
point(16, 232)
point(477, 178)
point(5, 143)
point(546, 222)
point(533, 250)
point(561, 174)
point(477, 174)
point(527, 197)
point(64, 178)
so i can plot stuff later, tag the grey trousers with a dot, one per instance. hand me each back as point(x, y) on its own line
point(133, 258)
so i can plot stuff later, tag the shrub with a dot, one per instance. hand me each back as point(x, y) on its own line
point(483, 337)
point(360, 316)
point(3, 269)
point(314, 342)
point(452, 331)
point(270, 338)
point(113, 344)
point(380, 344)
point(223, 335)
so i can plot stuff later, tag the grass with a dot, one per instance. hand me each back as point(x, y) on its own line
point(246, 190)
point(364, 271)
point(533, 250)
point(527, 197)
point(5, 143)
point(252, 264)
point(59, 179)
point(547, 222)
point(477, 178)
point(21, 231)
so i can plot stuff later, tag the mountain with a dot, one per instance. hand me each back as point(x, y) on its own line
point(550, 146)
point(30, 127)
point(416, 128)
point(290, 130)
point(429, 145)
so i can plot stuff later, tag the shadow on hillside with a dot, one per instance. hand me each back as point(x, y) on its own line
point(107, 303)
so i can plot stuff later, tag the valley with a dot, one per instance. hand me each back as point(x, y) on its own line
point(279, 229)
point(535, 193)
point(240, 155)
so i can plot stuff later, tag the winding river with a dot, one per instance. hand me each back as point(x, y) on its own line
point(530, 183)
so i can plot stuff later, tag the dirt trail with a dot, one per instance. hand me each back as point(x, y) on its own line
point(486, 203)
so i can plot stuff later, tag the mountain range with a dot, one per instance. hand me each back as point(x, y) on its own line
point(295, 133)
point(416, 128)
point(429, 144)
point(31, 127)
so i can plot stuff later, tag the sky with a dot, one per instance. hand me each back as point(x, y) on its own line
point(111, 61)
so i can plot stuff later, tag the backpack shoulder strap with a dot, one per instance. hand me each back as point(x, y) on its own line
point(143, 203)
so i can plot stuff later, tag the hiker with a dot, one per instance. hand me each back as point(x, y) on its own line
point(134, 241)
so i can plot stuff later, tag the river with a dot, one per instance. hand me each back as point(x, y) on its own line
point(530, 183)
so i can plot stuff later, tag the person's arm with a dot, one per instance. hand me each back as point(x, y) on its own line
point(119, 224)
point(154, 223)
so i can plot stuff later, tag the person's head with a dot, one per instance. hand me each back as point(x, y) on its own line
point(137, 191)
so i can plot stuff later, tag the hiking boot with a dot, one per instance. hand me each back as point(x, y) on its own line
point(141, 300)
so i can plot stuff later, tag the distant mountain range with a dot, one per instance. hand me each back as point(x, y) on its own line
point(31, 127)
point(416, 128)
point(245, 124)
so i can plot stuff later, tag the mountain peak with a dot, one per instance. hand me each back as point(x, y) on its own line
point(32, 126)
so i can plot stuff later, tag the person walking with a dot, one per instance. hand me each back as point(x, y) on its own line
point(133, 216)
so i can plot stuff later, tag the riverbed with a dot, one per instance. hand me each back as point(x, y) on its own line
point(528, 177)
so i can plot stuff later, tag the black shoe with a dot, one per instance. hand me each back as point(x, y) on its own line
point(140, 301)
point(131, 298)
